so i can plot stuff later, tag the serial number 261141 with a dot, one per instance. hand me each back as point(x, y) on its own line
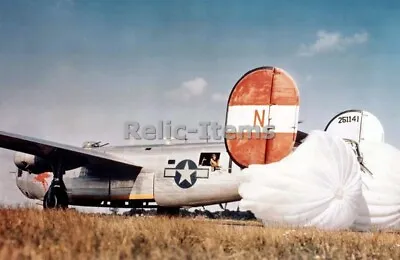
point(348, 119)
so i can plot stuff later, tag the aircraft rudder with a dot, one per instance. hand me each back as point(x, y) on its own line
point(267, 98)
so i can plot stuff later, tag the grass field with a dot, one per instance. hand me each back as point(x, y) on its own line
point(35, 234)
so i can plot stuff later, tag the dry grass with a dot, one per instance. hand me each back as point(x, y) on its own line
point(30, 233)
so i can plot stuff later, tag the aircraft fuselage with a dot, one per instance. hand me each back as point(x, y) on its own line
point(171, 176)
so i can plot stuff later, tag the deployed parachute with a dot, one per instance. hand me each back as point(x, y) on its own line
point(320, 183)
point(381, 190)
point(317, 185)
point(380, 205)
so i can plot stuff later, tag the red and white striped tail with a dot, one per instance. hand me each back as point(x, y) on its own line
point(264, 96)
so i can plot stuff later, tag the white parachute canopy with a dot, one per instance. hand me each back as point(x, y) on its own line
point(318, 185)
point(356, 125)
point(381, 190)
point(380, 205)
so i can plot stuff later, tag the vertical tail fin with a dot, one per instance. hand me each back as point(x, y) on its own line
point(356, 125)
point(266, 99)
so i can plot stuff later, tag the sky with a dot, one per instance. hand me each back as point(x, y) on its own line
point(72, 71)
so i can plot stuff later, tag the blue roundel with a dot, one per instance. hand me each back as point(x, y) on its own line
point(186, 174)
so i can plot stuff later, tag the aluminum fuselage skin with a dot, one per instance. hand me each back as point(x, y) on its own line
point(157, 181)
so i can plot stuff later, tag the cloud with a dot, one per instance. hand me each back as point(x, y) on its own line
point(219, 97)
point(188, 89)
point(331, 42)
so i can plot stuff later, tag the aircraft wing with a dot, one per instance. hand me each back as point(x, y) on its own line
point(72, 156)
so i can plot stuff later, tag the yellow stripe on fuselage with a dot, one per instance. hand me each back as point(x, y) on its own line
point(133, 197)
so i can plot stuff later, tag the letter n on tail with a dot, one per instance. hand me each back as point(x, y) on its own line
point(260, 119)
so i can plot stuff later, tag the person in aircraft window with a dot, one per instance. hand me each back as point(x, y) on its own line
point(214, 163)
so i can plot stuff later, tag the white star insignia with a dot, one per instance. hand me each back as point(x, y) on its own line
point(185, 174)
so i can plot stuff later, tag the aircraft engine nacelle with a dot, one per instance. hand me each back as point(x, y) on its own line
point(31, 163)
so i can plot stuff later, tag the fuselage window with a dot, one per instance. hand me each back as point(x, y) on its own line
point(210, 159)
point(171, 161)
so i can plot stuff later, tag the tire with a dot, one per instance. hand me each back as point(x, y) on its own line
point(55, 198)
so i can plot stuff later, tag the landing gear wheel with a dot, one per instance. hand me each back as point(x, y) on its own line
point(55, 198)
